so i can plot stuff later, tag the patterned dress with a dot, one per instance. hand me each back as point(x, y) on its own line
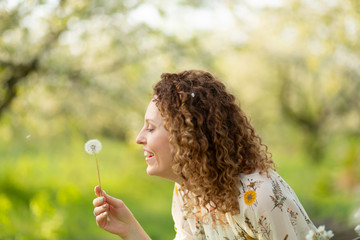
point(269, 210)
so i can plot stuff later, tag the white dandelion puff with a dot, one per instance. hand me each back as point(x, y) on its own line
point(93, 146)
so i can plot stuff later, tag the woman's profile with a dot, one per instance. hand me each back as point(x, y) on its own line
point(226, 186)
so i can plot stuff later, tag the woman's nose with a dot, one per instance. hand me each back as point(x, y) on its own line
point(140, 139)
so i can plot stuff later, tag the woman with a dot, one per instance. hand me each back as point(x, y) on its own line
point(225, 183)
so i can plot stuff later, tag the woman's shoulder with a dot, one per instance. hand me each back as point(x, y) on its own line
point(258, 176)
point(264, 184)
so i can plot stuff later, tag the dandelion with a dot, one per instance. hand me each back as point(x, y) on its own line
point(93, 147)
point(319, 234)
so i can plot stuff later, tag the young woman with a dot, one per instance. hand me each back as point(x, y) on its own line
point(225, 183)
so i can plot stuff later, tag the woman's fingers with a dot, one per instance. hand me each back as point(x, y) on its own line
point(97, 191)
point(98, 201)
point(101, 219)
point(101, 209)
point(116, 203)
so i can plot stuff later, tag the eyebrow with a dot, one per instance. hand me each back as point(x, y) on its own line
point(149, 120)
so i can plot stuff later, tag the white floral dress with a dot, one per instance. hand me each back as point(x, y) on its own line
point(269, 210)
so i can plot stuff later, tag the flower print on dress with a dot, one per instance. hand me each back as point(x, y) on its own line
point(254, 184)
point(264, 227)
point(278, 197)
point(200, 232)
point(250, 197)
point(250, 225)
point(241, 233)
point(250, 238)
point(250, 192)
point(293, 216)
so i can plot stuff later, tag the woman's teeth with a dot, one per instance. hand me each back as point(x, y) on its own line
point(147, 154)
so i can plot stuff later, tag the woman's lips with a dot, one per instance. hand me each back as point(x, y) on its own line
point(148, 158)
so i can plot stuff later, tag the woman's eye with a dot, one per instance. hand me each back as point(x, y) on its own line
point(149, 129)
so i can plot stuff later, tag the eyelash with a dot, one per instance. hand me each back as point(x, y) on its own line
point(149, 129)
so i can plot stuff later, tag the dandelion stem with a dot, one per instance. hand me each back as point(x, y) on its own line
point(98, 171)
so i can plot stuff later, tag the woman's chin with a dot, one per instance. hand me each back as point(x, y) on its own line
point(158, 172)
point(151, 171)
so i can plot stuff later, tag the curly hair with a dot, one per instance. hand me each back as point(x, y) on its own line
point(211, 139)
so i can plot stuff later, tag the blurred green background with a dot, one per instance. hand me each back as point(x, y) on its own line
point(75, 70)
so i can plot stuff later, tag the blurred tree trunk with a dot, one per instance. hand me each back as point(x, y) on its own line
point(301, 115)
point(16, 74)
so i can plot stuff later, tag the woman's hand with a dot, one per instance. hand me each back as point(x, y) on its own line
point(113, 216)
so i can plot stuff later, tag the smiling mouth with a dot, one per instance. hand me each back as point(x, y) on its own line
point(148, 155)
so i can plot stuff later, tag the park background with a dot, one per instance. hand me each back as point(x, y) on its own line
point(75, 70)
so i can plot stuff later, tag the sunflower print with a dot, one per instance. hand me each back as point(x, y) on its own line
point(250, 238)
point(250, 197)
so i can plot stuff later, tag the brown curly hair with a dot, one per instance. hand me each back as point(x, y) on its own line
point(211, 139)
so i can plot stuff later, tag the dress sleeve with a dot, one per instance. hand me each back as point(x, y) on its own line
point(182, 227)
point(272, 210)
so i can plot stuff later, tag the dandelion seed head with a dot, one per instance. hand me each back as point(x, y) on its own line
point(93, 146)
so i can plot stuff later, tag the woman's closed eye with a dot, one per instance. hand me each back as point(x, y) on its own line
point(149, 128)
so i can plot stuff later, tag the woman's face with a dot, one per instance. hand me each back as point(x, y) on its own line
point(155, 139)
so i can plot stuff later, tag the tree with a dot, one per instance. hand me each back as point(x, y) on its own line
point(77, 49)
